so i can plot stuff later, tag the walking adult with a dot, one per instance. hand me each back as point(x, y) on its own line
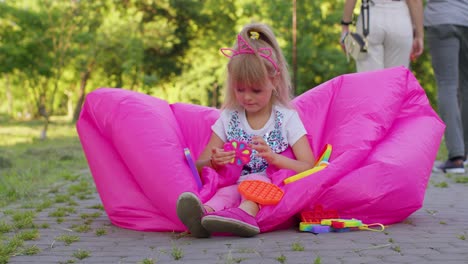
point(396, 32)
point(446, 24)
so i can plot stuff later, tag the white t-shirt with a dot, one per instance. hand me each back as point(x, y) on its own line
point(283, 129)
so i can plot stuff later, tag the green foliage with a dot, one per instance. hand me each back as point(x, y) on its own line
point(52, 52)
point(422, 69)
point(319, 55)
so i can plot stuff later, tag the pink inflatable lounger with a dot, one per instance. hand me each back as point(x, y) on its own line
point(384, 133)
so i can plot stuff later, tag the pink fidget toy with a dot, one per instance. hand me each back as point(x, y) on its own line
point(242, 149)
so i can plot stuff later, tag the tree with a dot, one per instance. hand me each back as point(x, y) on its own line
point(88, 17)
point(52, 52)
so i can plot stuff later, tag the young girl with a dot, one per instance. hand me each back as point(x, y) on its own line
point(257, 111)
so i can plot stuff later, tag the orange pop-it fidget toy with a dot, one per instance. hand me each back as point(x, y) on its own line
point(261, 192)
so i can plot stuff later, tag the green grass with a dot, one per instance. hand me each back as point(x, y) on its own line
point(34, 176)
point(177, 253)
point(100, 232)
point(442, 153)
point(68, 239)
point(147, 261)
point(81, 254)
point(297, 246)
point(281, 259)
point(29, 165)
point(441, 185)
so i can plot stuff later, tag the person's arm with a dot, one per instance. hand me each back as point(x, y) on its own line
point(416, 12)
point(304, 157)
point(347, 18)
point(213, 155)
point(348, 11)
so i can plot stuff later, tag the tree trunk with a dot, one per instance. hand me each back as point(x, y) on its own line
point(119, 83)
point(294, 51)
point(44, 113)
point(9, 95)
point(82, 93)
point(44, 129)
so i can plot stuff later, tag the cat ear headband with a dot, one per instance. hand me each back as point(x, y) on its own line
point(243, 47)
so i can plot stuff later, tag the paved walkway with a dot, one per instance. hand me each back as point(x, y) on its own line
point(437, 233)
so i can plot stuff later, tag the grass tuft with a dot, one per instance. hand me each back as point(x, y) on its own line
point(81, 254)
point(297, 246)
point(68, 239)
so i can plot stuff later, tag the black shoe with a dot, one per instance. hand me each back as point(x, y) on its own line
point(190, 211)
point(451, 166)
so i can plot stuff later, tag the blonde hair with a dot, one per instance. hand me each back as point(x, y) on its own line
point(253, 69)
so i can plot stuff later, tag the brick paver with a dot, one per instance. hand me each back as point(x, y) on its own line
point(434, 234)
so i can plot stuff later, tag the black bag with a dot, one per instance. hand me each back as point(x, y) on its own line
point(356, 44)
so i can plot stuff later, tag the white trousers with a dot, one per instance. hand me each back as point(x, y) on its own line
point(390, 36)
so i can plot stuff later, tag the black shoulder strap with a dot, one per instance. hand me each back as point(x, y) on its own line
point(365, 17)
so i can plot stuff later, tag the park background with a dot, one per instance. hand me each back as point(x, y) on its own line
point(54, 52)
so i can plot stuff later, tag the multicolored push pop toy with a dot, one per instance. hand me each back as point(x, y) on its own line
point(339, 226)
point(324, 221)
point(242, 149)
point(325, 156)
point(320, 164)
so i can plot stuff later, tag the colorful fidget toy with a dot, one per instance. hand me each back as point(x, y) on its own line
point(341, 223)
point(304, 174)
point(335, 225)
point(324, 221)
point(261, 192)
point(314, 228)
point(325, 156)
point(193, 168)
point(243, 151)
point(320, 164)
point(340, 226)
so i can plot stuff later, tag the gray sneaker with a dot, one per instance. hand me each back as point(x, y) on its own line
point(449, 166)
point(190, 211)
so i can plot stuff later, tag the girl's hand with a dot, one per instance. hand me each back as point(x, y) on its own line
point(219, 157)
point(264, 151)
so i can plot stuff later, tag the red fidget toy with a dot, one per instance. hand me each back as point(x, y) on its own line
point(318, 214)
